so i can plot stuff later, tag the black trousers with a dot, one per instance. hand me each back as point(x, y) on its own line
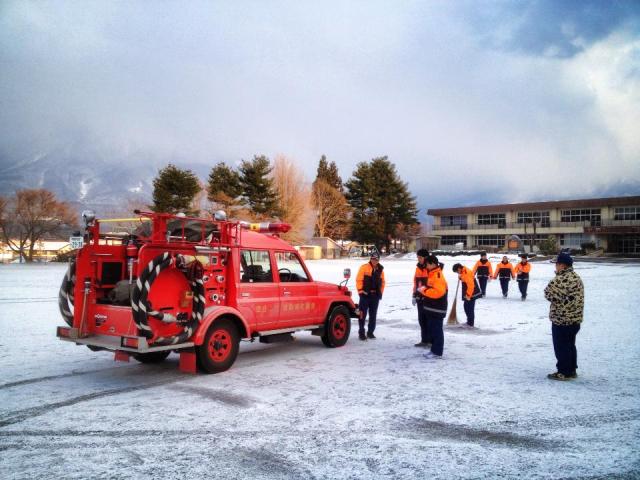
point(483, 284)
point(564, 346)
point(522, 285)
point(469, 310)
point(368, 304)
point(423, 320)
point(437, 334)
point(504, 284)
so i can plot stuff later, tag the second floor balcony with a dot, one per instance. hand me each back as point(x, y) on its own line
point(542, 225)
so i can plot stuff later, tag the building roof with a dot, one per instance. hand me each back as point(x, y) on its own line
point(507, 207)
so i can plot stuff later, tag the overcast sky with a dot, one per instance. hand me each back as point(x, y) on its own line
point(472, 100)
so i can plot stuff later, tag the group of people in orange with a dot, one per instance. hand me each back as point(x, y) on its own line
point(505, 271)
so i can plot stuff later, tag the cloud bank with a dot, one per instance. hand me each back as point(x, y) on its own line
point(474, 102)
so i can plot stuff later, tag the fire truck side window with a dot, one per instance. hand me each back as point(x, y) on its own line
point(255, 266)
point(290, 268)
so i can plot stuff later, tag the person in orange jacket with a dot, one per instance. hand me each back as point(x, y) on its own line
point(434, 303)
point(522, 270)
point(483, 272)
point(470, 291)
point(420, 279)
point(370, 284)
point(504, 270)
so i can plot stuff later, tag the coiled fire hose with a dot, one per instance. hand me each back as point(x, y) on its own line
point(65, 296)
point(142, 310)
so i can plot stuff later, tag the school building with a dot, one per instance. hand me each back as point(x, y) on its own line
point(612, 224)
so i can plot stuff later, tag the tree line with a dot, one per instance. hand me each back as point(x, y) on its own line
point(373, 206)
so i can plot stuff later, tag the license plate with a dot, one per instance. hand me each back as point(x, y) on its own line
point(76, 242)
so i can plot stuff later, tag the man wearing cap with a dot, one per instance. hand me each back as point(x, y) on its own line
point(420, 280)
point(483, 271)
point(470, 291)
point(566, 294)
point(522, 270)
point(370, 285)
point(434, 303)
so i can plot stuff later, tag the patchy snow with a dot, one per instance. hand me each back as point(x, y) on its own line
point(374, 409)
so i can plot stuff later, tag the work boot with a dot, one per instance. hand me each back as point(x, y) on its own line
point(371, 335)
point(430, 355)
point(363, 336)
point(559, 376)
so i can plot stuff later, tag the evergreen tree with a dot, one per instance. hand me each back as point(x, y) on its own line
point(380, 201)
point(224, 186)
point(174, 190)
point(257, 188)
point(329, 173)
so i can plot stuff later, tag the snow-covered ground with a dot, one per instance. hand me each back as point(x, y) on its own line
point(374, 409)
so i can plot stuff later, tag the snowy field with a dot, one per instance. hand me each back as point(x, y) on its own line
point(374, 409)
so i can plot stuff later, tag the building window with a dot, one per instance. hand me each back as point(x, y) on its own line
point(572, 240)
point(452, 220)
point(626, 213)
point(541, 218)
point(453, 239)
point(627, 244)
point(499, 219)
point(581, 215)
point(490, 240)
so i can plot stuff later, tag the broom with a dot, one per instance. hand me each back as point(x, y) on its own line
point(453, 318)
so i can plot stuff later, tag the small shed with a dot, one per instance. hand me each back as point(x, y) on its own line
point(310, 252)
point(430, 242)
point(329, 247)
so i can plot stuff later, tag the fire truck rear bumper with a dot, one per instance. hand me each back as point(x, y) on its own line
point(108, 342)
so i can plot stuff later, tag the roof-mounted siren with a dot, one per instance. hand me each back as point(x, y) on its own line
point(88, 216)
point(267, 227)
point(220, 216)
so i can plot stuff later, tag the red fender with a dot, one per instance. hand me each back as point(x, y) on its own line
point(211, 314)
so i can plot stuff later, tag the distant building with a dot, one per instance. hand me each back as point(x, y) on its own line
point(44, 251)
point(330, 248)
point(612, 224)
point(430, 242)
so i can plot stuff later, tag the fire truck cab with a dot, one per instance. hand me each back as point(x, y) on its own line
point(197, 287)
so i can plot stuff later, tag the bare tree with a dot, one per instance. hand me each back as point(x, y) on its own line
point(29, 217)
point(332, 210)
point(293, 198)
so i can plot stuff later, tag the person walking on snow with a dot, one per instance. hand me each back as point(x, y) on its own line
point(566, 293)
point(504, 270)
point(522, 270)
point(370, 284)
point(483, 272)
point(434, 303)
point(419, 280)
point(470, 291)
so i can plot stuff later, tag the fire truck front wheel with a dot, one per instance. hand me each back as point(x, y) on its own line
point(337, 327)
point(152, 357)
point(220, 347)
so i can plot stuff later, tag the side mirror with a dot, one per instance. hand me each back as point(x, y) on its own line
point(347, 273)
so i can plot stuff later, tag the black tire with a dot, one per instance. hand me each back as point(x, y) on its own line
point(152, 357)
point(337, 327)
point(220, 347)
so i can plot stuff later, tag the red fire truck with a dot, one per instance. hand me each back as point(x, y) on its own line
point(197, 287)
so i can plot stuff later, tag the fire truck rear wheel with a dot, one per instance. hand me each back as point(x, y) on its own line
point(220, 347)
point(337, 327)
point(152, 357)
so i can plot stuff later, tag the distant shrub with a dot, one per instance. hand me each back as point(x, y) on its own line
point(549, 246)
